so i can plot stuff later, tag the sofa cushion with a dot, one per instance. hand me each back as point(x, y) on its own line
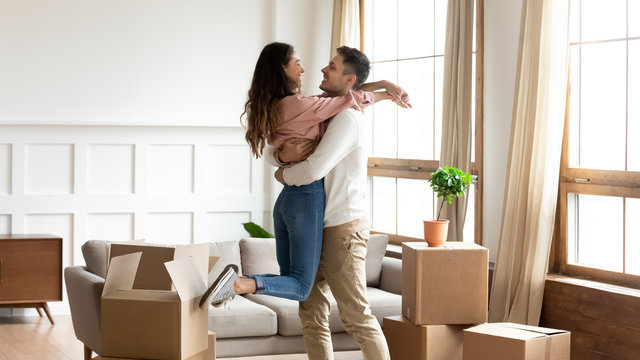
point(229, 253)
point(259, 256)
point(288, 318)
point(96, 254)
point(382, 304)
point(376, 248)
point(242, 318)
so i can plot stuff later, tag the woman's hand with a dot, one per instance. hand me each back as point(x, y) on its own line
point(394, 90)
point(398, 95)
point(295, 150)
point(402, 100)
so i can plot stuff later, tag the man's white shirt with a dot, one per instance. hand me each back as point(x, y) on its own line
point(341, 158)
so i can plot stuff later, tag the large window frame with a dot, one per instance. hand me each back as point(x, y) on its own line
point(583, 181)
point(420, 169)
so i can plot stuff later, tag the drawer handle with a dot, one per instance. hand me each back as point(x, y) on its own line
point(1, 263)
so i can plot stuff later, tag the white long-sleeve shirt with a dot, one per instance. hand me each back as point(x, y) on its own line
point(341, 158)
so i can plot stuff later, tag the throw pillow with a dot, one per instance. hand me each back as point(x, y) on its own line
point(229, 253)
point(96, 254)
point(259, 256)
point(376, 248)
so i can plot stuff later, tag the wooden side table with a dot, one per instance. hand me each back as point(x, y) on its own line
point(30, 271)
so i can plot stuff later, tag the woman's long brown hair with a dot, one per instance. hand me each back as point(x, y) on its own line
point(269, 85)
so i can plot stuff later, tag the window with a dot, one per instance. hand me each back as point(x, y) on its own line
point(405, 40)
point(599, 203)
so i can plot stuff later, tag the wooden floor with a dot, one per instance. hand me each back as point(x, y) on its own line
point(34, 338)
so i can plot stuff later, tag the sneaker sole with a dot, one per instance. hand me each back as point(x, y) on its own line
point(207, 297)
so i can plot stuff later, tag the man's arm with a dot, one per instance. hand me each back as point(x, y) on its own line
point(396, 93)
point(269, 155)
point(340, 138)
point(293, 150)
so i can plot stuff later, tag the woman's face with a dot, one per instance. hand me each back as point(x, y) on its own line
point(293, 70)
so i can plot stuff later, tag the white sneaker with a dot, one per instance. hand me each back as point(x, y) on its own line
point(221, 290)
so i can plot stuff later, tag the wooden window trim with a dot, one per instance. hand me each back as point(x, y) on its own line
point(397, 239)
point(420, 169)
point(589, 182)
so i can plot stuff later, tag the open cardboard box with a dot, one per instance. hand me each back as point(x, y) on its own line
point(509, 341)
point(209, 354)
point(150, 302)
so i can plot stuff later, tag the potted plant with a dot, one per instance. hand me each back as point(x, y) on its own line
point(447, 183)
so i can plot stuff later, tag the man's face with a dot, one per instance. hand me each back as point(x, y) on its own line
point(335, 81)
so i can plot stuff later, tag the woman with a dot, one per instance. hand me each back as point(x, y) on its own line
point(276, 112)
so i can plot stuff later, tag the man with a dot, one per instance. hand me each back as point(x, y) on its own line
point(341, 158)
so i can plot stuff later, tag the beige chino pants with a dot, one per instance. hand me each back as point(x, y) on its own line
point(342, 272)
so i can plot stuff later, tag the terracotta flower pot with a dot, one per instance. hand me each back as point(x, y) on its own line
point(435, 232)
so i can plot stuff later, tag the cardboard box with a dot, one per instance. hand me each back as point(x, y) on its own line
point(509, 341)
point(150, 302)
point(209, 354)
point(422, 342)
point(445, 285)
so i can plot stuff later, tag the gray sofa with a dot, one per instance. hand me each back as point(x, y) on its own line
point(250, 324)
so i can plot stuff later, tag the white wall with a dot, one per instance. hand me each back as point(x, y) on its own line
point(307, 26)
point(171, 185)
point(158, 62)
point(501, 36)
point(59, 69)
point(120, 120)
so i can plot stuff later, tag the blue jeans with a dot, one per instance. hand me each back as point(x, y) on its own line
point(298, 219)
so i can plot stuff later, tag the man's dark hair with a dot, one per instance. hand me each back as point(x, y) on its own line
point(355, 62)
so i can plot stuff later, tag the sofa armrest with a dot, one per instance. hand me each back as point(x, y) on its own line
point(84, 290)
point(391, 275)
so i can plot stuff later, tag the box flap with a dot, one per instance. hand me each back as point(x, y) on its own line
point(536, 329)
point(143, 295)
point(213, 260)
point(129, 242)
point(151, 271)
point(200, 255)
point(122, 273)
point(184, 274)
point(505, 332)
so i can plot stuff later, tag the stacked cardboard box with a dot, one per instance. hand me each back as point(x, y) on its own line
point(444, 290)
point(509, 341)
point(150, 302)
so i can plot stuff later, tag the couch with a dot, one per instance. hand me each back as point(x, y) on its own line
point(250, 324)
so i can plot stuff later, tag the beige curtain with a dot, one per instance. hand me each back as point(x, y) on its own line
point(456, 105)
point(534, 163)
point(346, 24)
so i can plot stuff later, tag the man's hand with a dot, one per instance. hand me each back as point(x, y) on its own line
point(295, 150)
point(279, 175)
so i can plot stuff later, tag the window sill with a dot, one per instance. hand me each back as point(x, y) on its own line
point(595, 285)
point(394, 251)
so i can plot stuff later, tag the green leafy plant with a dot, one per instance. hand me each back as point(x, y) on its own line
point(449, 183)
point(256, 230)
